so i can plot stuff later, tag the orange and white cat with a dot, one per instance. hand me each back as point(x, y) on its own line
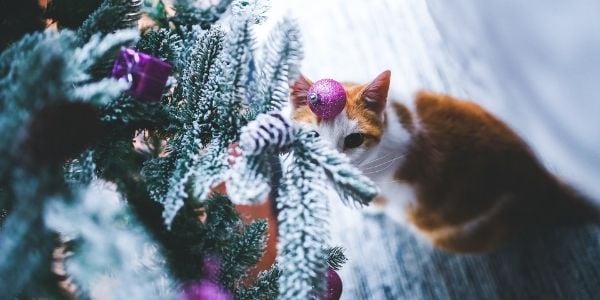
point(461, 176)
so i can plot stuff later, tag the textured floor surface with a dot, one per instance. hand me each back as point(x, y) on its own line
point(355, 40)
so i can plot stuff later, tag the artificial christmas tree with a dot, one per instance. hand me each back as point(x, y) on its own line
point(142, 217)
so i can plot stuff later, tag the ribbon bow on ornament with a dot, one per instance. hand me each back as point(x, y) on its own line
point(147, 74)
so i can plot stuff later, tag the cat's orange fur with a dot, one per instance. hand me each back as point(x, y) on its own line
point(476, 183)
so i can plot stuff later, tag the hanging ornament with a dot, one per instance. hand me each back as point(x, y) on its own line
point(211, 267)
point(326, 98)
point(147, 74)
point(205, 289)
point(334, 285)
point(208, 287)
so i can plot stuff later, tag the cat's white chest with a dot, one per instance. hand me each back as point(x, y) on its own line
point(381, 166)
point(395, 196)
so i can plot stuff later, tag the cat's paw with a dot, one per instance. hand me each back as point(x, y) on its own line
point(381, 206)
point(376, 207)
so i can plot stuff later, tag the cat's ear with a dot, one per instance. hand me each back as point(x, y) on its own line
point(299, 90)
point(375, 93)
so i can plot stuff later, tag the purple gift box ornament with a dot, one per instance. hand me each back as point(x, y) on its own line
point(147, 74)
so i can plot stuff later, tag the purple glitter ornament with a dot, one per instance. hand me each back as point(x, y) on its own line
point(211, 267)
point(205, 290)
point(334, 285)
point(147, 74)
point(208, 287)
point(326, 98)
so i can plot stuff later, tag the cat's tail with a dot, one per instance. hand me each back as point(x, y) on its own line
point(563, 205)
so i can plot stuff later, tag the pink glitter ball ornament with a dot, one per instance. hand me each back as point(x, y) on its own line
point(326, 98)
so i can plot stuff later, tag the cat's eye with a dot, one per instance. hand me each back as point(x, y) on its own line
point(353, 140)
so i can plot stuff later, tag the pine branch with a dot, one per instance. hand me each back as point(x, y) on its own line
point(215, 78)
point(127, 111)
point(179, 177)
point(24, 57)
point(96, 49)
point(67, 65)
point(248, 180)
point(187, 13)
point(268, 135)
point(244, 253)
point(280, 65)
point(25, 243)
point(222, 79)
point(192, 102)
point(348, 181)
point(194, 96)
point(303, 233)
point(190, 240)
point(254, 10)
point(29, 105)
point(111, 16)
point(301, 198)
point(232, 68)
point(66, 79)
point(336, 258)
point(162, 43)
point(117, 161)
point(209, 171)
point(265, 287)
point(108, 239)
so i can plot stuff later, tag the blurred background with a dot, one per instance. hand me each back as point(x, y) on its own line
point(535, 64)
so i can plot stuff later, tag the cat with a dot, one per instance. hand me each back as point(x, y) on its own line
point(462, 177)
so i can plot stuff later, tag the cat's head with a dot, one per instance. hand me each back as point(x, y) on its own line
point(359, 127)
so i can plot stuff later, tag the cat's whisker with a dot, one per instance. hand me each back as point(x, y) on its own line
point(384, 163)
point(375, 172)
point(363, 163)
point(385, 167)
point(391, 181)
point(379, 163)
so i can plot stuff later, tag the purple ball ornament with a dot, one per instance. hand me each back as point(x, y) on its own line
point(326, 98)
point(211, 267)
point(205, 290)
point(334, 285)
point(147, 74)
